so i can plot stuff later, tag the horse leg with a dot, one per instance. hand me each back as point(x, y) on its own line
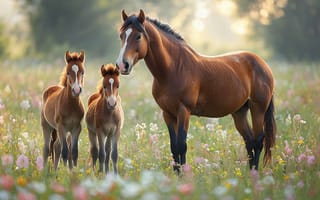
point(171, 125)
point(46, 130)
point(257, 114)
point(114, 155)
point(61, 147)
point(52, 141)
point(74, 145)
point(107, 150)
point(102, 155)
point(242, 125)
point(93, 147)
point(183, 125)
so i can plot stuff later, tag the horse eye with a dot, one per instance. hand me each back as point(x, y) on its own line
point(138, 36)
point(68, 73)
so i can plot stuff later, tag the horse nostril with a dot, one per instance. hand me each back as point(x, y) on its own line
point(126, 65)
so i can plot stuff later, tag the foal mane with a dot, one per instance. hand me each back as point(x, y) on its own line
point(109, 69)
point(63, 76)
point(133, 20)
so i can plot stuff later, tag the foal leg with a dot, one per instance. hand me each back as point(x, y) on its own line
point(46, 130)
point(102, 155)
point(93, 147)
point(107, 150)
point(257, 115)
point(61, 147)
point(242, 125)
point(114, 154)
point(74, 145)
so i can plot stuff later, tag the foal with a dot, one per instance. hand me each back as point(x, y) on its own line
point(105, 119)
point(62, 112)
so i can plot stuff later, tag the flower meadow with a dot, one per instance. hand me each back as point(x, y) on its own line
point(216, 160)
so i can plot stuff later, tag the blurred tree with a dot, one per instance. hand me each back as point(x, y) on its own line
point(81, 24)
point(290, 28)
point(76, 24)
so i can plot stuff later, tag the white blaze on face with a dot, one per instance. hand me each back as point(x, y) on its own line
point(112, 99)
point(76, 87)
point(120, 57)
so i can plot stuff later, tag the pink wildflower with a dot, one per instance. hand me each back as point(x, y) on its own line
point(6, 182)
point(153, 139)
point(311, 160)
point(302, 157)
point(300, 184)
point(26, 196)
point(39, 163)
point(22, 161)
point(287, 149)
point(80, 193)
point(56, 187)
point(199, 160)
point(1, 119)
point(6, 160)
point(2, 106)
point(186, 189)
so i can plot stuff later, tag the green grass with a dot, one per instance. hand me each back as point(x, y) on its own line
point(216, 159)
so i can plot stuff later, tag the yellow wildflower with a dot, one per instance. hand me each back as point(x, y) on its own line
point(300, 141)
point(237, 172)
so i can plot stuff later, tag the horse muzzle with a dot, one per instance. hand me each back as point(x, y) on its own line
point(111, 102)
point(76, 91)
point(124, 67)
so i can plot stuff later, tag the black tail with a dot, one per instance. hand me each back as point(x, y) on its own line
point(270, 129)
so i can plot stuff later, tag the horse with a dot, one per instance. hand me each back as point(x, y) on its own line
point(105, 119)
point(62, 113)
point(186, 83)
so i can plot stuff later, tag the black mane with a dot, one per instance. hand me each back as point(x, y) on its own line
point(166, 28)
point(133, 20)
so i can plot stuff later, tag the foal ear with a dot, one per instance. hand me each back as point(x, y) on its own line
point(68, 57)
point(124, 15)
point(141, 16)
point(81, 56)
point(103, 70)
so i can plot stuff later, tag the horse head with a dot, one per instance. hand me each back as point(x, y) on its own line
point(134, 42)
point(74, 71)
point(110, 84)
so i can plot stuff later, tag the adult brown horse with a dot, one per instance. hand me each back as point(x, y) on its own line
point(63, 111)
point(187, 83)
point(105, 119)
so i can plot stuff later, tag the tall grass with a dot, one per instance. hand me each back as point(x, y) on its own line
point(216, 160)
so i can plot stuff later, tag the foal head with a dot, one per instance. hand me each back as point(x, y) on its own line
point(110, 85)
point(73, 75)
point(134, 41)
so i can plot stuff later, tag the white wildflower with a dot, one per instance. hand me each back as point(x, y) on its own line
point(25, 104)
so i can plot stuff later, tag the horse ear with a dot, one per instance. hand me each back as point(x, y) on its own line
point(117, 72)
point(68, 57)
point(103, 70)
point(81, 56)
point(124, 15)
point(141, 16)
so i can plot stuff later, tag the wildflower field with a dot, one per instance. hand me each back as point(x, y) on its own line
point(216, 160)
